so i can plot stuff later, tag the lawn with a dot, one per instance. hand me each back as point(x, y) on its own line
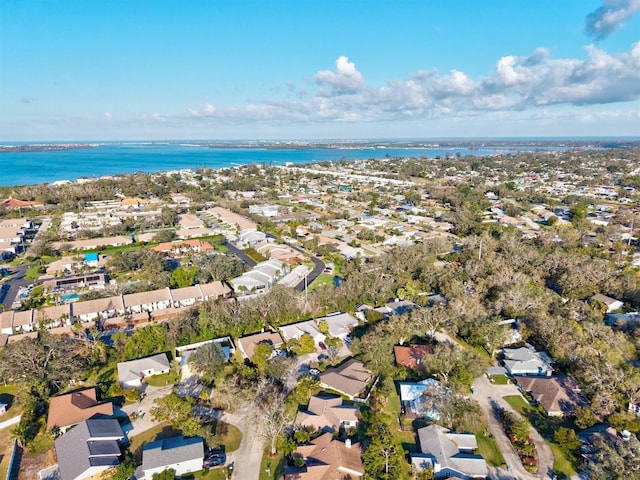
point(499, 379)
point(323, 280)
point(163, 379)
point(564, 462)
point(5, 451)
point(8, 395)
point(33, 273)
point(222, 435)
point(272, 468)
point(519, 404)
point(488, 448)
point(213, 474)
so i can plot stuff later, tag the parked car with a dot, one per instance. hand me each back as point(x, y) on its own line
point(322, 346)
point(214, 458)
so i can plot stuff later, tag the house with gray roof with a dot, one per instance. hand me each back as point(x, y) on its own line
point(339, 324)
point(88, 449)
point(525, 361)
point(133, 372)
point(184, 455)
point(449, 454)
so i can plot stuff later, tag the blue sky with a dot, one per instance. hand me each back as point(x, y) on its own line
point(80, 70)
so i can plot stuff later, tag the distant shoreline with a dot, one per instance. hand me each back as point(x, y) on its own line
point(505, 143)
point(39, 147)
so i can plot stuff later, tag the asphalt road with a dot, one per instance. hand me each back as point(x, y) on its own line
point(318, 268)
point(240, 254)
point(9, 290)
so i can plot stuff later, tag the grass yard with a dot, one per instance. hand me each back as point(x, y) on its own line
point(488, 448)
point(564, 462)
point(8, 395)
point(519, 404)
point(324, 280)
point(222, 435)
point(500, 379)
point(213, 474)
point(5, 451)
point(163, 380)
point(272, 468)
point(33, 273)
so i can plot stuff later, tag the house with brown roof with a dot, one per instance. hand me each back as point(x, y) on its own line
point(72, 408)
point(247, 345)
point(410, 356)
point(559, 395)
point(327, 412)
point(326, 458)
point(98, 309)
point(178, 248)
point(215, 290)
point(147, 301)
point(350, 379)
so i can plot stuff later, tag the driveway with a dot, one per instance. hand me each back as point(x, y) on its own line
point(144, 423)
point(489, 396)
point(247, 458)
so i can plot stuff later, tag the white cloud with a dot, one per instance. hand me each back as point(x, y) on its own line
point(108, 116)
point(346, 79)
point(516, 84)
point(610, 17)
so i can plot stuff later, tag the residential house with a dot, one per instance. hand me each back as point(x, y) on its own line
point(92, 281)
point(248, 344)
point(147, 301)
point(327, 412)
point(559, 395)
point(296, 330)
point(12, 322)
point(350, 379)
point(184, 455)
point(525, 361)
point(410, 356)
point(179, 248)
point(610, 303)
point(72, 408)
point(339, 324)
point(251, 237)
point(449, 455)
point(99, 309)
point(89, 449)
point(215, 290)
point(326, 458)
point(421, 399)
point(185, 297)
point(133, 372)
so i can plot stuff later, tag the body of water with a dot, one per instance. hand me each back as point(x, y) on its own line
point(35, 167)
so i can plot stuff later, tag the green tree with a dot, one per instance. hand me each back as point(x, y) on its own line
point(307, 344)
point(183, 276)
point(384, 458)
point(145, 341)
point(261, 354)
point(172, 409)
point(520, 430)
point(567, 439)
point(208, 360)
point(168, 474)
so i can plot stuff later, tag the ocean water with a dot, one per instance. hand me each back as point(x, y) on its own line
point(27, 168)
